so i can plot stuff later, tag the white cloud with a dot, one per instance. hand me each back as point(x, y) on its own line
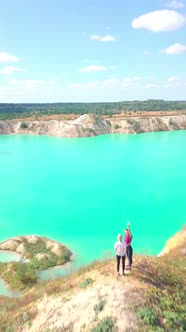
point(104, 39)
point(113, 89)
point(91, 68)
point(6, 57)
point(151, 86)
point(33, 83)
point(175, 81)
point(176, 4)
point(147, 52)
point(160, 20)
point(109, 83)
point(20, 91)
point(175, 49)
point(10, 70)
point(128, 88)
point(127, 82)
point(172, 79)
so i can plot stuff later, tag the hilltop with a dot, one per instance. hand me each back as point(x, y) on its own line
point(151, 298)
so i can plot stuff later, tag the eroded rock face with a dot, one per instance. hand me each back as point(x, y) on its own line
point(85, 125)
point(148, 124)
point(10, 244)
point(93, 125)
point(6, 128)
point(178, 241)
point(20, 249)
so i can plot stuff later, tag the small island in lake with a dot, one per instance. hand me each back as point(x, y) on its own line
point(36, 253)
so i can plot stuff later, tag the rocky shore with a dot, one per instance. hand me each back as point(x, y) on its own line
point(38, 252)
point(93, 125)
point(33, 245)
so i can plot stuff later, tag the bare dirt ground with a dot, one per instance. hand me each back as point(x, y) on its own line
point(75, 311)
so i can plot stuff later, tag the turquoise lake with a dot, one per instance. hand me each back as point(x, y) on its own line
point(82, 191)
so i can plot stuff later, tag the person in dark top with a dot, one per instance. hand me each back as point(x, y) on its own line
point(129, 250)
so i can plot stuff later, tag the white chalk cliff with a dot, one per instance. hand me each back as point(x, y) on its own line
point(93, 125)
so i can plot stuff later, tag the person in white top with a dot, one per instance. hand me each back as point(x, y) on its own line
point(120, 249)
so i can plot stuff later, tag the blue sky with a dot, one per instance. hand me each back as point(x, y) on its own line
point(92, 50)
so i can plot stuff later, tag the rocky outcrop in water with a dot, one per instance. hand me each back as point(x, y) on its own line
point(93, 125)
point(40, 246)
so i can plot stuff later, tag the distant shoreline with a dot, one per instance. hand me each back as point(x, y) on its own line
point(93, 125)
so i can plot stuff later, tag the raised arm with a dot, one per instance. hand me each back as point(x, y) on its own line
point(129, 229)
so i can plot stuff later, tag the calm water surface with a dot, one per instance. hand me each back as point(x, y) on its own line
point(82, 191)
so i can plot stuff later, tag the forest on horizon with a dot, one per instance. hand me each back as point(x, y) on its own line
point(10, 111)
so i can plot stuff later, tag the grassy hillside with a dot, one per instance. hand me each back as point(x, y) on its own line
point(151, 298)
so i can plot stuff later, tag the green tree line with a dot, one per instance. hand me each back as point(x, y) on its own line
point(10, 111)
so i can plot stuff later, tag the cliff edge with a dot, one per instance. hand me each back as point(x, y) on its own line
point(93, 299)
point(93, 125)
point(176, 245)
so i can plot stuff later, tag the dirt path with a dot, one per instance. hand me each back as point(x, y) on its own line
point(75, 311)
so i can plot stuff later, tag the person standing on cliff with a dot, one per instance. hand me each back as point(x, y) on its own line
point(129, 249)
point(120, 248)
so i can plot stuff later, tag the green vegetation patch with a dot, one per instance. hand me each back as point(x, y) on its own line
point(136, 125)
point(13, 111)
point(23, 125)
point(20, 275)
point(17, 275)
point(147, 316)
point(99, 307)
point(86, 283)
point(105, 325)
point(164, 305)
point(173, 124)
point(50, 259)
point(117, 126)
point(164, 311)
point(32, 249)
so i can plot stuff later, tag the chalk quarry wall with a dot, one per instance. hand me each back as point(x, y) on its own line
point(93, 125)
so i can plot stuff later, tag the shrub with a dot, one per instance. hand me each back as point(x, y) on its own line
point(50, 260)
point(66, 254)
point(105, 325)
point(86, 282)
point(99, 307)
point(26, 318)
point(147, 316)
point(10, 328)
point(175, 320)
point(135, 124)
point(23, 125)
point(117, 126)
point(173, 124)
point(26, 274)
point(35, 248)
